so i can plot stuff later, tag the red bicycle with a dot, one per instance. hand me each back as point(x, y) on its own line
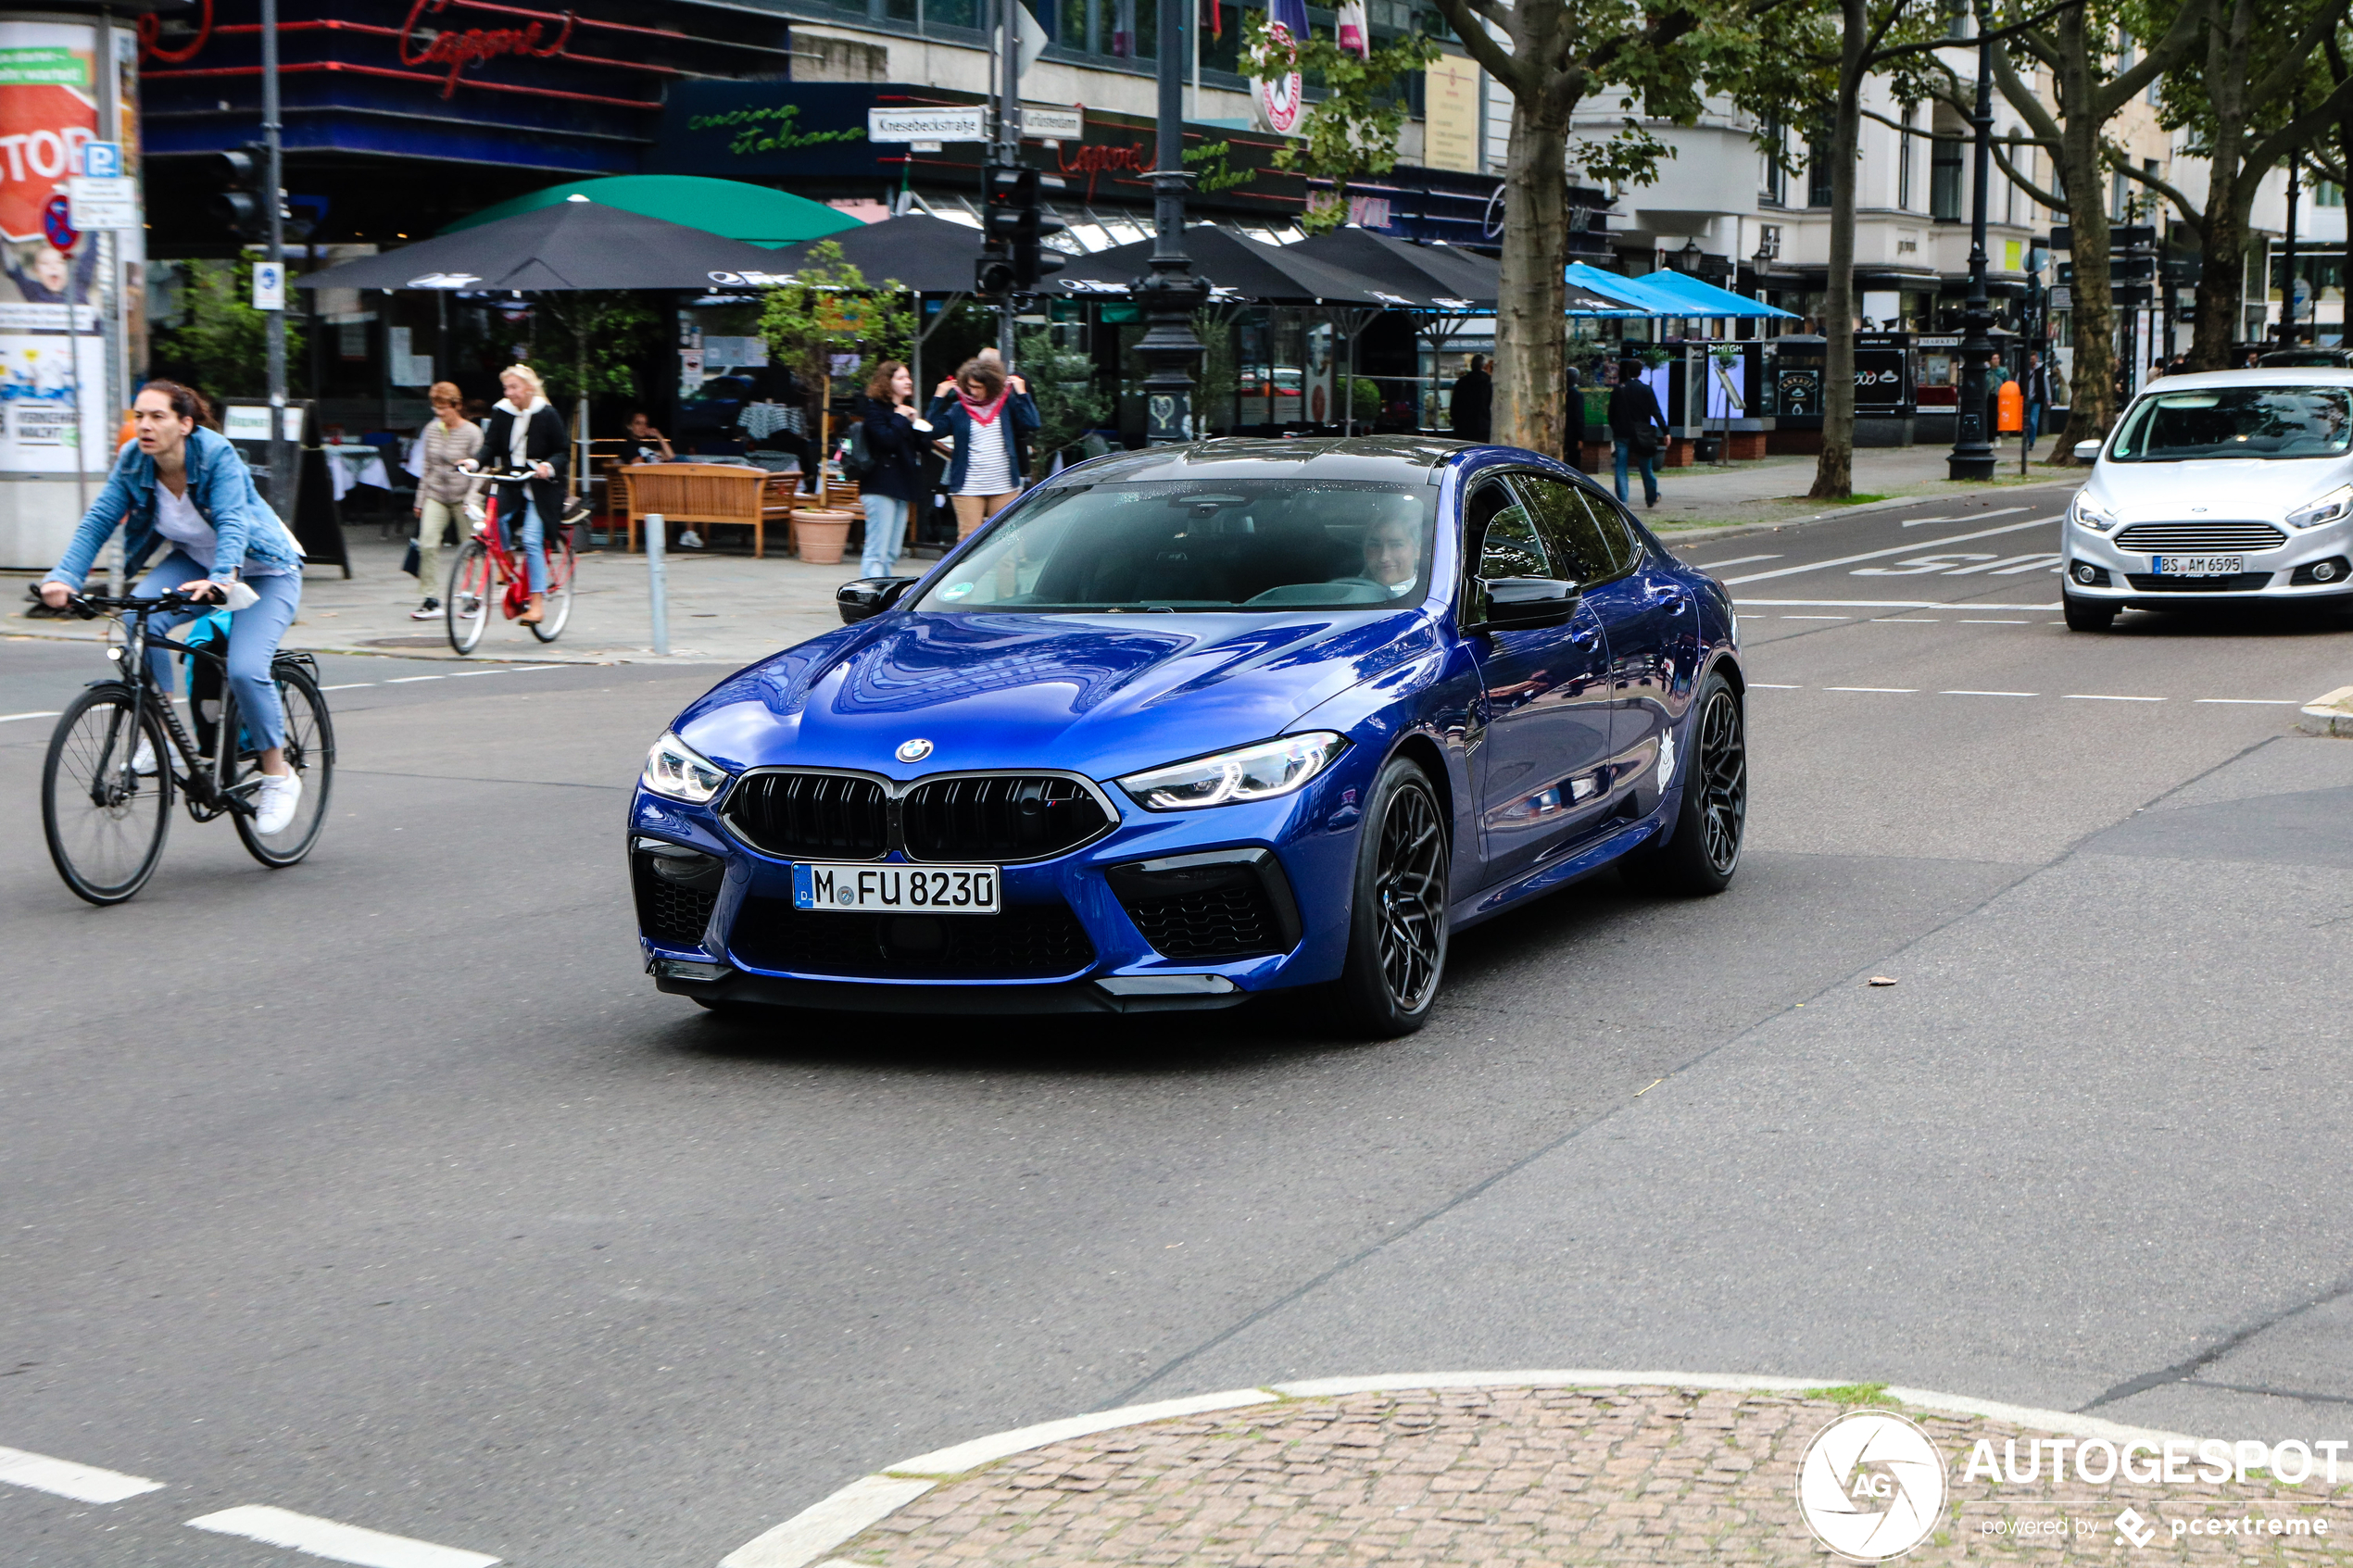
point(485, 566)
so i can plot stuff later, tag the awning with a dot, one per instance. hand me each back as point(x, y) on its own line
point(1239, 270)
point(731, 208)
point(1670, 293)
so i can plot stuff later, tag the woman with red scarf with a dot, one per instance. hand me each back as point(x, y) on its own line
point(990, 416)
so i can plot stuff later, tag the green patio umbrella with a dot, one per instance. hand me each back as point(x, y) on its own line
point(730, 207)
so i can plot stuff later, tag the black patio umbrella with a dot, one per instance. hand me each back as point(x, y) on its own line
point(924, 254)
point(573, 244)
point(1241, 272)
point(1403, 269)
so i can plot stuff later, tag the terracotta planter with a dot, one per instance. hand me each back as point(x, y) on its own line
point(822, 535)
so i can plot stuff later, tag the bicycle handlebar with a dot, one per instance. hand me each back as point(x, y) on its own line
point(89, 606)
point(502, 476)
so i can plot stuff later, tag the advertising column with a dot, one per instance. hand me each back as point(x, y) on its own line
point(59, 305)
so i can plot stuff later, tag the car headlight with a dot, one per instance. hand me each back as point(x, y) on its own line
point(678, 771)
point(2324, 509)
point(2090, 514)
point(1252, 772)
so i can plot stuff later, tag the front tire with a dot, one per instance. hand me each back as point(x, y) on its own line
point(2087, 615)
point(1397, 927)
point(465, 606)
point(1704, 848)
point(106, 824)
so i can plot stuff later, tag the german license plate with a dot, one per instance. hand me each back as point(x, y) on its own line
point(871, 889)
point(2198, 566)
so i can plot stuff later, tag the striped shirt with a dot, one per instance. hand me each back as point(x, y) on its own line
point(989, 469)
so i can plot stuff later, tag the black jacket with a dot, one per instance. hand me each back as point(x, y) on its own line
point(1633, 411)
point(543, 442)
point(2038, 384)
point(897, 448)
point(1470, 411)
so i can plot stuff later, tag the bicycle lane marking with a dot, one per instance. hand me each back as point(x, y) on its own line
point(340, 1543)
point(12, 718)
point(1916, 546)
point(63, 1477)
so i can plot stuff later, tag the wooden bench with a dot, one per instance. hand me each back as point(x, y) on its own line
point(710, 495)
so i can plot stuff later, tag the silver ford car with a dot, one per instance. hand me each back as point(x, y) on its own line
point(2217, 489)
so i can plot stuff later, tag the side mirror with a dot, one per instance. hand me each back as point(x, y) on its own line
point(2087, 451)
point(869, 597)
point(1510, 602)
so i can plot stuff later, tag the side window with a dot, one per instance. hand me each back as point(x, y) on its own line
point(1586, 544)
point(1616, 531)
point(1509, 542)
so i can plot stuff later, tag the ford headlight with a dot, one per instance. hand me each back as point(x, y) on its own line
point(678, 771)
point(2329, 508)
point(1252, 772)
point(2090, 514)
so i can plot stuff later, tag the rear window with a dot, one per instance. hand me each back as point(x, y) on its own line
point(2237, 421)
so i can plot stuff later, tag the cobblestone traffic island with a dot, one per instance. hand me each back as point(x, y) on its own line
point(1500, 1476)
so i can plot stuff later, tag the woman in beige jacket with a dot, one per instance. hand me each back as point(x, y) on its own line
point(449, 440)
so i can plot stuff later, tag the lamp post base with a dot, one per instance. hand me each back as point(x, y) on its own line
point(1969, 465)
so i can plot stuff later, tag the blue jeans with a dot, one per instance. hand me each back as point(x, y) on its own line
point(1648, 465)
point(254, 635)
point(534, 545)
point(2034, 423)
point(885, 533)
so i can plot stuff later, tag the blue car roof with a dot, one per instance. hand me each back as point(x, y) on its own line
point(1406, 459)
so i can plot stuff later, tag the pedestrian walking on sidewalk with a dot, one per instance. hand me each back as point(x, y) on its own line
point(2038, 398)
point(895, 438)
point(991, 416)
point(1470, 407)
point(1638, 428)
point(450, 439)
point(526, 432)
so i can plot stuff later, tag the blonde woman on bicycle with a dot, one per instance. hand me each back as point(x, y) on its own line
point(524, 430)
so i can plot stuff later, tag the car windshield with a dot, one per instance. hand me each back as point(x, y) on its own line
point(2237, 421)
point(1201, 545)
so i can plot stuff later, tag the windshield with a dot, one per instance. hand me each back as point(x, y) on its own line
point(1201, 545)
point(2237, 421)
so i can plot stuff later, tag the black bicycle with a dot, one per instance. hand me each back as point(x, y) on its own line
point(120, 750)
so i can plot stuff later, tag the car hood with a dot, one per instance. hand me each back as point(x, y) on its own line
point(1102, 694)
point(2229, 488)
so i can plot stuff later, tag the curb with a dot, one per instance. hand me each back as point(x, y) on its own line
point(2329, 714)
point(807, 1537)
point(430, 655)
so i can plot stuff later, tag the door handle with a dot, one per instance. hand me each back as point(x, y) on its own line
point(1583, 633)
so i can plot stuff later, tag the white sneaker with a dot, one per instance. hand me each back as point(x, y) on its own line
point(275, 801)
point(690, 540)
point(429, 611)
point(143, 762)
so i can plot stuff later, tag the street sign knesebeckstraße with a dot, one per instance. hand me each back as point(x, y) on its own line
point(968, 124)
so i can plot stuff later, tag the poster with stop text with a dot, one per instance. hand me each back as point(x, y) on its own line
point(53, 364)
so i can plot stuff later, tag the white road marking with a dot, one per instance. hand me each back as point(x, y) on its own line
point(1896, 691)
point(461, 674)
point(349, 686)
point(404, 679)
point(2099, 697)
point(1906, 620)
point(12, 718)
point(1817, 618)
point(1772, 686)
point(1900, 549)
point(1881, 603)
point(341, 1543)
point(2257, 701)
point(527, 669)
point(2004, 511)
point(1968, 622)
point(83, 1483)
point(1989, 693)
point(2009, 568)
point(1736, 561)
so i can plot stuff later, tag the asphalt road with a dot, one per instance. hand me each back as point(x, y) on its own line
point(385, 1190)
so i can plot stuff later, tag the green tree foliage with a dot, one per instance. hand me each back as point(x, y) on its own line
point(1353, 128)
point(221, 345)
point(587, 342)
point(830, 311)
point(1061, 382)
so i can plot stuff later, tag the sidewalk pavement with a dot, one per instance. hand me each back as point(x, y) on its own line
point(724, 608)
point(1507, 1474)
point(1773, 489)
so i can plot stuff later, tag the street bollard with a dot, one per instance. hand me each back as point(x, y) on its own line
point(657, 578)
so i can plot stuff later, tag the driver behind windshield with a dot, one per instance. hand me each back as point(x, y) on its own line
point(1393, 545)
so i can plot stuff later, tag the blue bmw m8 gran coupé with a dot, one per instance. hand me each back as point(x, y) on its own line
point(1186, 726)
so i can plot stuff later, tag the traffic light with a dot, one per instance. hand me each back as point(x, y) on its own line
point(1013, 223)
point(237, 206)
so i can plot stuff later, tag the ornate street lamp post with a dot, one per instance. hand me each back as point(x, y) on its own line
point(1972, 455)
point(1170, 294)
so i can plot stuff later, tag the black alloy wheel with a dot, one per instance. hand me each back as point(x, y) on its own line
point(1398, 924)
point(1703, 849)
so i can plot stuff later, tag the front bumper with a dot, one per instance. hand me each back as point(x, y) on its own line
point(2314, 564)
point(716, 919)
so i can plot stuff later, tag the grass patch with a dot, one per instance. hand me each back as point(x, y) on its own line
point(1852, 1394)
point(1861, 498)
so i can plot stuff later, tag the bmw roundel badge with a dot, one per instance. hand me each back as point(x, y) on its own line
point(913, 750)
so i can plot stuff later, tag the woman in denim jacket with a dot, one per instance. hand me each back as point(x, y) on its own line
point(182, 485)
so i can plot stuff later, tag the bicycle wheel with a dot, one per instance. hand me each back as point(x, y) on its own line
point(105, 823)
point(310, 752)
point(557, 608)
point(466, 606)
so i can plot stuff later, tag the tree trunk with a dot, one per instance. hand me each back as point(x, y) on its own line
point(2222, 270)
point(1834, 471)
point(1530, 331)
point(2091, 396)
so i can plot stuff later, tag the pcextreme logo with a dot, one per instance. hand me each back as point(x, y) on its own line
point(1871, 1485)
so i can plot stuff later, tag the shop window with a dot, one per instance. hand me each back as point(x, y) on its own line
point(1944, 179)
point(1817, 168)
